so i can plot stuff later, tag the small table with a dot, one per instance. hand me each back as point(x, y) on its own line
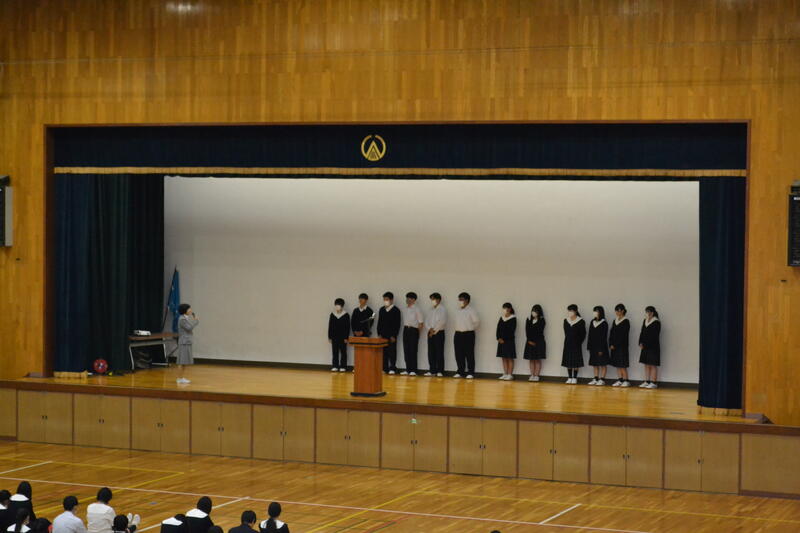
point(135, 341)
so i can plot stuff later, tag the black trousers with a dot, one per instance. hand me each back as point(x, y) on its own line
point(339, 349)
point(436, 353)
point(464, 345)
point(390, 356)
point(410, 347)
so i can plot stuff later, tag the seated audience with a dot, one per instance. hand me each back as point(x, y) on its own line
point(122, 524)
point(100, 516)
point(248, 523)
point(198, 519)
point(6, 515)
point(40, 525)
point(215, 529)
point(175, 524)
point(22, 500)
point(272, 524)
point(68, 521)
point(21, 521)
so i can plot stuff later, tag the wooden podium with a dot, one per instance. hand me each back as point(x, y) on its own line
point(368, 379)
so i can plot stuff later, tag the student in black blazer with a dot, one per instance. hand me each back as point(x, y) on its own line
point(389, 322)
point(338, 332)
point(248, 523)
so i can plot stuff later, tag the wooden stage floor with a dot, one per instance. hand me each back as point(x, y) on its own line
point(519, 395)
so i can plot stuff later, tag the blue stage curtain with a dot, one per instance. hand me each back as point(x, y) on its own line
point(722, 227)
point(109, 266)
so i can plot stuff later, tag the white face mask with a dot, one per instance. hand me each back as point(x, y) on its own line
point(338, 308)
point(387, 303)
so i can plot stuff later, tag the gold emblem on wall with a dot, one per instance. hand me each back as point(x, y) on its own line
point(373, 147)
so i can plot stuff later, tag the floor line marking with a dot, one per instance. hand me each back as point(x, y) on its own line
point(359, 513)
point(24, 467)
point(565, 511)
point(16, 458)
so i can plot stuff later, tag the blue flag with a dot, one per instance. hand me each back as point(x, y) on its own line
point(174, 299)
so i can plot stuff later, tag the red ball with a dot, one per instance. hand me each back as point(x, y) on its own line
point(100, 366)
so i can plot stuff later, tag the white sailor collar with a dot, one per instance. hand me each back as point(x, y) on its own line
point(596, 323)
point(650, 321)
point(196, 513)
point(507, 318)
point(172, 521)
point(619, 321)
point(573, 322)
point(19, 498)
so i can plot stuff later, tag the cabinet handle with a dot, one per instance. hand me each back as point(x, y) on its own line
point(555, 452)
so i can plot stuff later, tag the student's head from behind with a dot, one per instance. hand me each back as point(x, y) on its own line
point(24, 488)
point(388, 298)
point(215, 529)
point(40, 525)
point(338, 303)
point(120, 523)
point(411, 298)
point(274, 510)
point(249, 518)
point(184, 309)
point(651, 312)
point(620, 310)
point(104, 495)
point(572, 311)
point(363, 299)
point(5, 496)
point(22, 518)
point(599, 312)
point(463, 299)
point(537, 311)
point(436, 298)
point(71, 503)
point(508, 309)
point(204, 504)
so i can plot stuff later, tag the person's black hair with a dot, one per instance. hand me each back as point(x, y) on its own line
point(339, 301)
point(248, 517)
point(508, 305)
point(104, 495)
point(183, 308)
point(363, 296)
point(204, 504)
point(22, 515)
point(389, 295)
point(70, 502)
point(435, 296)
point(651, 309)
point(464, 296)
point(120, 523)
point(621, 307)
point(600, 311)
point(180, 517)
point(274, 510)
point(215, 529)
point(40, 525)
point(538, 310)
point(24, 488)
point(4, 495)
point(573, 307)
point(412, 295)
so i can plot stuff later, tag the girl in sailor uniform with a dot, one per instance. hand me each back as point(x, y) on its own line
point(175, 524)
point(618, 345)
point(574, 334)
point(21, 522)
point(22, 500)
point(597, 345)
point(272, 524)
point(650, 343)
point(198, 520)
point(506, 341)
point(535, 345)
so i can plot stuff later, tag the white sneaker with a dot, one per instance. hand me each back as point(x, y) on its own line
point(183, 381)
point(600, 382)
point(644, 385)
point(626, 384)
point(593, 382)
point(456, 375)
point(334, 369)
point(412, 373)
point(130, 518)
point(617, 383)
point(569, 381)
point(428, 374)
point(391, 372)
point(439, 375)
point(533, 378)
point(502, 377)
point(652, 386)
point(403, 373)
point(470, 376)
point(343, 369)
point(510, 377)
point(136, 520)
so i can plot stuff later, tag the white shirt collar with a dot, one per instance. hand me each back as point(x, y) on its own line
point(362, 309)
point(596, 323)
point(2, 507)
point(619, 321)
point(339, 314)
point(573, 322)
point(534, 320)
point(388, 308)
point(647, 322)
point(507, 318)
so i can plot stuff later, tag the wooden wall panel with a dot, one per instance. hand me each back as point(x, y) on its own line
point(410, 60)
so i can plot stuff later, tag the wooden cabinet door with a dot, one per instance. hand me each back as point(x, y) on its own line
point(430, 443)
point(536, 449)
point(499, 447)
point(720, 466)
point(571, 456)
point(397, 441)
point(645, 466)
point(206, 428)
point(466, 441)
point(236, 437)
point(608, 450)
point(682, 456)
point(331, 437)
point(175, 426)
point(770, 463)
point(298, 434)
point(58, 417)
point(146, 424)
point(8, 422)
point(268, 421)
point(30, 416)
point(364, 442)
point(116, 422)
point(88, 420)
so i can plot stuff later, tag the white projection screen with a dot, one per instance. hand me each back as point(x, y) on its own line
point(261, 260)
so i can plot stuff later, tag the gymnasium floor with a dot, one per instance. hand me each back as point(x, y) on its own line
point(321, 498)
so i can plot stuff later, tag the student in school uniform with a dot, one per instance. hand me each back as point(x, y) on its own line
point(68, 521)
point(21, 521)
point(100, 515)
point(413, 322)
point(506, 340)
point(198, 520)
point(362, 316)
point(597, 345)
point(466, 322)
point(650, 344)
point(121, 524)
point(248, 523)
point(40, 525)
point(175, 524)
point(535, 344)
point(6, 517)
point(618, 345)
point(22, 500)
point(435, 324)
point(273, 524)
point(389, 320)
point(186, 324)
point(338, 332)
point(574, 334)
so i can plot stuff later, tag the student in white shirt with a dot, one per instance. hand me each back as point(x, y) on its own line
point(68, 522)
point(466, 323)
point(413, 322)
point(100, 516)
point(435, 323)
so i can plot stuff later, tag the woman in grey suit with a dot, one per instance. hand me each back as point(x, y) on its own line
point(186, 324)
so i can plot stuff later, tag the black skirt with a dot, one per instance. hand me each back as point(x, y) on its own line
point(598, 359)
point(620, 357)
point(536, 352)
point(650, 356)
point(507, 350)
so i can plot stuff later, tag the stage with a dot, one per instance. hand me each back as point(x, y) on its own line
point(519, 399)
